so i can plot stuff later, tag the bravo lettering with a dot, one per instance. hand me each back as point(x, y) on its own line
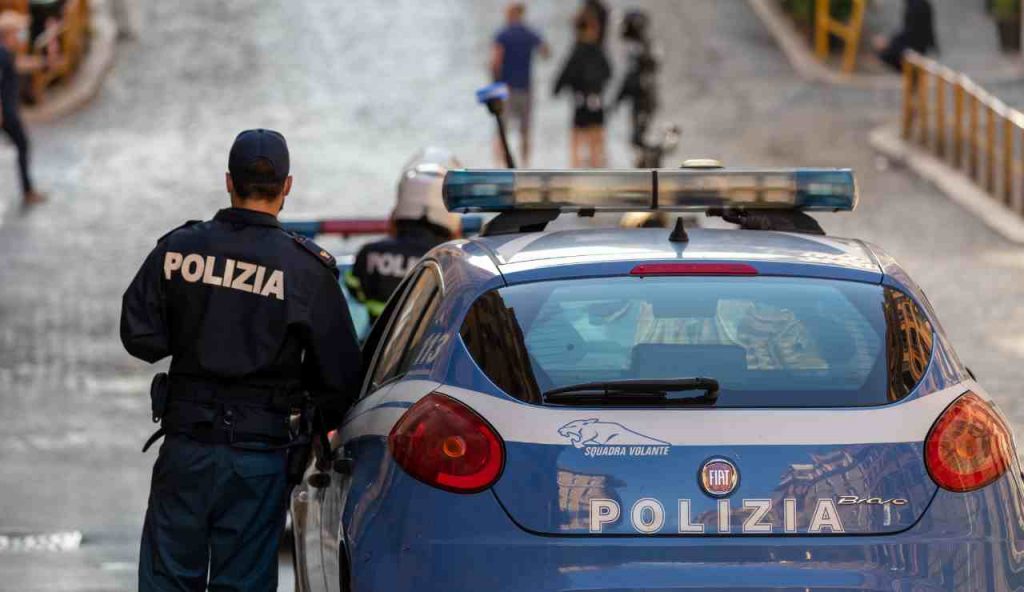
point(229, 273)
point(648, 516)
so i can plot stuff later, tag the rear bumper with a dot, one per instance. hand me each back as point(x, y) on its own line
point(425, 542)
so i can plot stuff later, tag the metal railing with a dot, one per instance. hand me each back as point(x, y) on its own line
point(848, 32)
point(959, 122)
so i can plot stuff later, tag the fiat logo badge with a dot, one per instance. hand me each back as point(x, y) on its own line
point(718, 477)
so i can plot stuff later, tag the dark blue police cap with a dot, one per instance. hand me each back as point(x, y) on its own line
point(256, 144)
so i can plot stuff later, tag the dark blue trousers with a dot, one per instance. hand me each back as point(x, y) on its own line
point(14, 129)
point(214, 520)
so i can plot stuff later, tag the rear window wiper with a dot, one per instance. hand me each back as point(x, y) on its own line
point(636, 392)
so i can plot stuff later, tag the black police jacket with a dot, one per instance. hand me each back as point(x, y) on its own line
point(238, 300)
point(380, 266)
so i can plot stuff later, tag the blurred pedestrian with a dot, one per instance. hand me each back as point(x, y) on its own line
point(13, 28)
point(586, 73)
point(640, 85)
point(511, 63)
point(256, 327)
point(918, 34)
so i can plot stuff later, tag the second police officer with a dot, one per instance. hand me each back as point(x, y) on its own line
point(251, 317)
point(420, 222)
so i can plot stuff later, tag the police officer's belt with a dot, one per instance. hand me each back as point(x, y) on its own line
point(223, 412)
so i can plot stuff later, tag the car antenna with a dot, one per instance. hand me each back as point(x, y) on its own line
point(678, 234)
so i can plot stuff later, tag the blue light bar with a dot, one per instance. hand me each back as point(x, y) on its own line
point(348, 227)
point(678, 190)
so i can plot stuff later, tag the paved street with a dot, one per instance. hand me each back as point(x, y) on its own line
point(356, 87)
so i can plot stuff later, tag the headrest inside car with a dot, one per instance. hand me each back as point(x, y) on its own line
point(691, 306)
point(669, 360)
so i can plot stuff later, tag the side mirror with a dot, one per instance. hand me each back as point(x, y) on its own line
point(342, 465)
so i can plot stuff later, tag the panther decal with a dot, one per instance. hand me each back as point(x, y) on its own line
point(591, 432)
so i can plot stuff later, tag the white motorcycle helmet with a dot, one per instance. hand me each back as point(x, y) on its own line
point(419, 190)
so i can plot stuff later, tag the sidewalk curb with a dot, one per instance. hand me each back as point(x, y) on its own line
point(807, 66)
point(86, 83)
point(957, 186)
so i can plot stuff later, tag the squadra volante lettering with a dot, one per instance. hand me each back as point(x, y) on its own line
point(231, 273)
point(648, 516)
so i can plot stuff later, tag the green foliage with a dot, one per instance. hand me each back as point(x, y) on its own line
point(800, 10)
point(1006, 9)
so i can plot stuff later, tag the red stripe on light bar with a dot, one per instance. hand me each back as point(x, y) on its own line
point(693, 269)
point(351, 227)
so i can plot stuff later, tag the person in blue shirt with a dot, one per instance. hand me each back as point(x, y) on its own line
point(511, 63)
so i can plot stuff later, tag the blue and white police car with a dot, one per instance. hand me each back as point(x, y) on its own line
point(654, 409)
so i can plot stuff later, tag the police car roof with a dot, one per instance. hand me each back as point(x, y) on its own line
point(552, 253)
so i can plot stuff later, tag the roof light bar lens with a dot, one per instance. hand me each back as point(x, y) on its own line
point(637, 190)
point(814, 190)
point(504, 190)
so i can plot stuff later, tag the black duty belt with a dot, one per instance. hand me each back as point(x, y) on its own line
point(223, 412)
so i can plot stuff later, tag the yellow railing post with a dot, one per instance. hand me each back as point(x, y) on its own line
point(908, 97)
point(849, 32)
point(1007, 159)
point(990, 147)
point(852, 38)
point(958, 122)
point(1020, 202)
point(972, 137)
point(822, 18)
point(922, 104)
point(940, 114)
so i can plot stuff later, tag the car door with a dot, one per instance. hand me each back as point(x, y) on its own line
point(391, 353)
point(308, 499)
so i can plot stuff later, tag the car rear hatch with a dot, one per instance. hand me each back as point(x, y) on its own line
point(810, 434)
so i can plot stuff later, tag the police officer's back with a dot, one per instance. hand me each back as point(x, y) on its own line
point(420, 222)
point(251, 317)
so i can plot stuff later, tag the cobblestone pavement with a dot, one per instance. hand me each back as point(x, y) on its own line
point(356, 87)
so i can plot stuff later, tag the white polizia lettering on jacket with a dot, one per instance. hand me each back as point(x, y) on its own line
point(233, 274)
point(647, 516)
point(390, 264)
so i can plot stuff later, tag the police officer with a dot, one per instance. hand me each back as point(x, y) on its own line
point(420, 223)
point(251, 317)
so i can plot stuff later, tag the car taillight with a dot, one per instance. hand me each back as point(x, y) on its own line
point(969, 446)
point(443, 443)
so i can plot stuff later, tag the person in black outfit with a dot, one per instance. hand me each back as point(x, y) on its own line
point(918, 34)
point(639, 87)
point(586, 73)
point(253, 319)
point(12, 26)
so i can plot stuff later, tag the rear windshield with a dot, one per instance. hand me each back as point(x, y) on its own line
point(769, 341)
